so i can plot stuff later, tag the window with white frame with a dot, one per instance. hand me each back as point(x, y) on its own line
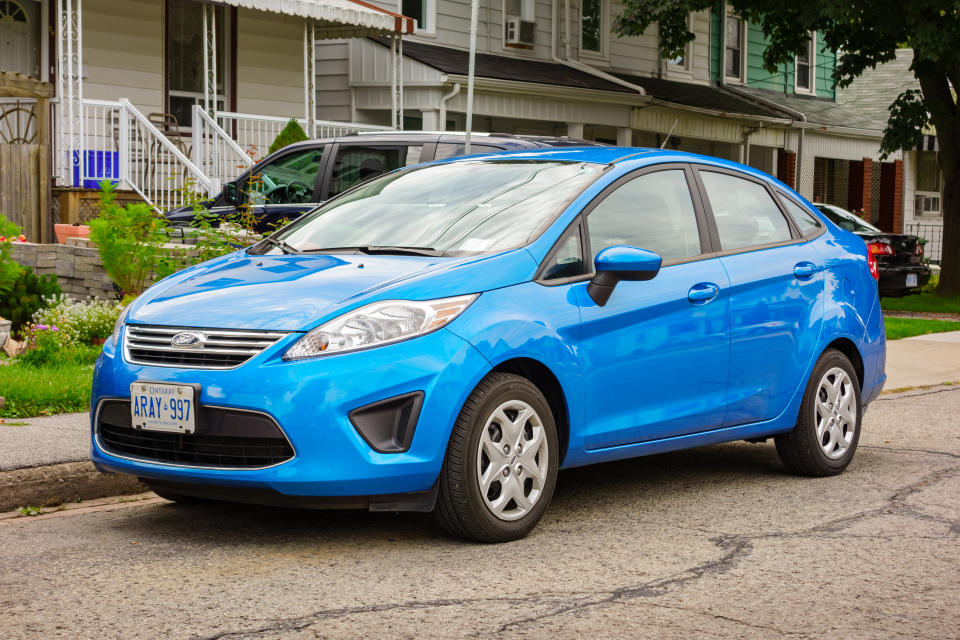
point(927, 184)
point(682, 61)
point(805, 67)
point(735, 49)
point(519, 27)
point(422, 11)
point(594, 28)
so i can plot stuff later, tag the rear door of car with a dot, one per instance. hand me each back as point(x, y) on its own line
point(776, 291)
point(354, 161)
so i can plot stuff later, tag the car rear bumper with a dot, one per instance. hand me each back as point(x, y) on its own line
point(893, 279)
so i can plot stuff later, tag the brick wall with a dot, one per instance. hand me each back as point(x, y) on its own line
point(79, 269)
point(787, 167)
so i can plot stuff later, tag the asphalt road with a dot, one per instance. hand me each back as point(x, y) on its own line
point(713, 542)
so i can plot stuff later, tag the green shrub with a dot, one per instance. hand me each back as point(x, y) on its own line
point(81, 320)
point(130, 240)
point(291, 133)
point(27, 296)
point(9, 270)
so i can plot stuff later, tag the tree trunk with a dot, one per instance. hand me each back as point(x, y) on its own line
point(950, 250)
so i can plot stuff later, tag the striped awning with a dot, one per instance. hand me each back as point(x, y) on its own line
point(336, 18)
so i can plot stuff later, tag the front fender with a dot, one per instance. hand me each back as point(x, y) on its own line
point(498, 325)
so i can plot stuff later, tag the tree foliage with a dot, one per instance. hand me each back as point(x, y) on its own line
point(291, 133)
point(865, 33)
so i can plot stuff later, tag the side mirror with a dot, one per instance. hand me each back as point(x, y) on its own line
point(230, 193)
point(617, 263)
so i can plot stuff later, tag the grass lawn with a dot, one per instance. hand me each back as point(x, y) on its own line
point(923, 302)
point(905, 327)
point(34, 391)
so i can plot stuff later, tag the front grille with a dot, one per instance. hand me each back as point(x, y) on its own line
point(225, 438)
point(217, 349)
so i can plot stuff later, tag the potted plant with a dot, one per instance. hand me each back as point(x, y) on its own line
point(75, 230)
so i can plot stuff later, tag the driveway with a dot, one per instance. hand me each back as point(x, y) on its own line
point(717, 541)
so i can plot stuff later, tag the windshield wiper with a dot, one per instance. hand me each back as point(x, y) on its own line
point(382, 250)
point(280, 244)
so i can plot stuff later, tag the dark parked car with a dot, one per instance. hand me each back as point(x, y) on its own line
point(896, 259)
point(298, 177)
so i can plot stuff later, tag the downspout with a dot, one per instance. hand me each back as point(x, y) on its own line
point(443, 105)
point(574, 64)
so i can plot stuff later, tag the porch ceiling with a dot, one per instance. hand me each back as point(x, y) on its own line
point(336, 18)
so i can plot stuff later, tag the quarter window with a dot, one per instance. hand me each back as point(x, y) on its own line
point(745, 214)
point(567, 262)
point(652, 212)
point(806, 221)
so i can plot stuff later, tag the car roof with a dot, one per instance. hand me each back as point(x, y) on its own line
point(508, 140)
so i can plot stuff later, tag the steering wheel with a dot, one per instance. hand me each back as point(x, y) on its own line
point(292, 192)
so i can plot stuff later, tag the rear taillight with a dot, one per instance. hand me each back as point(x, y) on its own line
point(875, 249)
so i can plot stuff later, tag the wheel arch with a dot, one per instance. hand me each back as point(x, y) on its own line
point(548, 384)
point(847, 347)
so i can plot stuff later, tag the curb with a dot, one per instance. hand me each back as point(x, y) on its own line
point(57, 484)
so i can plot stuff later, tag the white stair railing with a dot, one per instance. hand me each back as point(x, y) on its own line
point(254, 134)
point(153, 166)
point(214, 151)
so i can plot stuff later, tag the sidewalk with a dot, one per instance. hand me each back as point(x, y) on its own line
point(46, 460)
point(923, 360)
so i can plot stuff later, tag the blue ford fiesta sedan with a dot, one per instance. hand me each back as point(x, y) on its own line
point(447, 337)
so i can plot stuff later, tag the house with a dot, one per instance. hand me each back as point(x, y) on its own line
point(173, 95)
point(141, 90)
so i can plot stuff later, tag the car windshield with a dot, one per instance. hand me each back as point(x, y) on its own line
point(461, 208)
point(846, 220)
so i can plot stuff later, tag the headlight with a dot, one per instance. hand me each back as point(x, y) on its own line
point(119, 323)
point(378, 324)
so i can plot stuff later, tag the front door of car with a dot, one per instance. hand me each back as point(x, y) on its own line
point(282, 189)
point(776, 295)
point(655, 357)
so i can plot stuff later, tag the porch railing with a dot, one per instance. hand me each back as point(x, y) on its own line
point(214, 151)
point(932, 232)
point(120, 144)
point(254, 134)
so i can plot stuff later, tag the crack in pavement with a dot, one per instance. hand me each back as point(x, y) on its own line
point(932, 452)
point(737, 548)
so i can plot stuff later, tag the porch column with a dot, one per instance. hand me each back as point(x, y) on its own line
point(70, 119)
point(431, 120)
point(624, 137)
point(575, 130)
point(210, 59)
point(898, 197)
point(310, 76)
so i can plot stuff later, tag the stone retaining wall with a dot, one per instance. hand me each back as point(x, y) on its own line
point(79, 269)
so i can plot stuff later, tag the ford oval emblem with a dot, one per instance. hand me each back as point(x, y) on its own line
point(188, 340)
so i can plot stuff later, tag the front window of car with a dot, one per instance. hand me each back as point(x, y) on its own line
point(290, 179)
point(461, 208)
point(846, 220)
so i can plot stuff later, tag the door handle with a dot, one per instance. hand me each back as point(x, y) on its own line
point(703, 292)
point(804, 269)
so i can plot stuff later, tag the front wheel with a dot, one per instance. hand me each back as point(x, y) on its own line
point(828, 427)
point(501, 464)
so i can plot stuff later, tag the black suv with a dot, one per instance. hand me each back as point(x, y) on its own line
point(298, 177)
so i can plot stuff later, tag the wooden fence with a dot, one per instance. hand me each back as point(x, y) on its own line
point(20, 187)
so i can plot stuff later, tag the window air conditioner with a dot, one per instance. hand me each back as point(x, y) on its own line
point(518, 33)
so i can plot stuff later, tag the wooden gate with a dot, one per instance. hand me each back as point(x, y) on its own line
point(25, 155)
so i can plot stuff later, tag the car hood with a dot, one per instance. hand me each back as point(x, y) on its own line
point(297, 292)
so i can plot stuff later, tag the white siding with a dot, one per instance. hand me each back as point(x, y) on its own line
point(269, 64)
point(332, 80)
point(123, 52)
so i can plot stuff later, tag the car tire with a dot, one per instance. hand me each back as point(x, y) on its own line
point(828, 426)
point(500, 468)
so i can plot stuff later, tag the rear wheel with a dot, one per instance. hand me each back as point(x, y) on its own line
point(828, 426)
point(501, 464)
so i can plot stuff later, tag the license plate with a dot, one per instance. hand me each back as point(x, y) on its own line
point(163, 407)
point(911, 279)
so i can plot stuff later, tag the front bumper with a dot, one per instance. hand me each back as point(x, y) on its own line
point(893, 279)
point(310, 401)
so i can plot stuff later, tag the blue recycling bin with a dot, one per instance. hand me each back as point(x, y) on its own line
point(101, 165)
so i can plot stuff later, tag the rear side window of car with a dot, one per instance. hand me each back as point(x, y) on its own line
point(653, 212)
point(450, 149)
point(806, 222)
point(745, 214)
point(357, 163)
